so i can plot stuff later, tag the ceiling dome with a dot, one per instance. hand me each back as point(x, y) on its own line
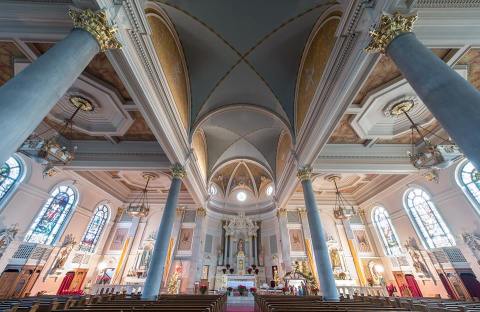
point(241, 185)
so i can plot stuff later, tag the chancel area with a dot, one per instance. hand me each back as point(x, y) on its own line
point(226, 155)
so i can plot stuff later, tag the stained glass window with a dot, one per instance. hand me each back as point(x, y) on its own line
point(386, 232)
point(53, 216)
point(470, 182)
point(95, 228)
point(428, 222)
point(10, 174)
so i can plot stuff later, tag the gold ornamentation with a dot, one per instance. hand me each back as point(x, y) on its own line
point(400, 108)
point(81, 103)
point(304, 173)
point(97, 25)
point(390, 27)
point(282, 212)
point(302, 211)
point(201, 212)
point(178, 171)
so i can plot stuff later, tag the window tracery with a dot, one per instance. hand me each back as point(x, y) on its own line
point(11, 173)
point(95, 228)
point(427, 220)
point(52, 216)
point(469, 182)
point(386, 232)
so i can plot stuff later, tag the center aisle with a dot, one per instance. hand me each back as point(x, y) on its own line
point(240, 304)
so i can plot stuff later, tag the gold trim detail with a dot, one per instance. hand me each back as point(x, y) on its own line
point(201, 212)
point(178, 171)
point(389, 28)
point(81, 103)
point(282, 212)
point(95, 22)
point(304, 173)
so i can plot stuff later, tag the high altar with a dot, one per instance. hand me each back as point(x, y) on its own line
point(240, 253)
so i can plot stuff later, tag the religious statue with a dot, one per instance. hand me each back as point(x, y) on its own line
point(335, 258)
point(240, 247)
point(63, 253)
point(6, 237)
point(473, 242)
point(417, 257)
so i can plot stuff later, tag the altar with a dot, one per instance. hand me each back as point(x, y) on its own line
point(234, 280)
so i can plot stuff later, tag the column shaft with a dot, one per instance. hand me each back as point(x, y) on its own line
point(157, 265)
point(285, 240)
point(320, 248)
point(29, 96)
point(450, 98)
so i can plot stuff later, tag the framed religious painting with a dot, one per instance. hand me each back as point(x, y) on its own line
point(119, 239)
point(362, 240)
point(185, 239)
point(297, 243)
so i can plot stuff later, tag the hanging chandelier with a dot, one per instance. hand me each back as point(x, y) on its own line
point(51, 146)
point(342, 209)
point(425, 155)
point(140, 207)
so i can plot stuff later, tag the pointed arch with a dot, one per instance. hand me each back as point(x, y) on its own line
point(468, 180)
point(12, 173)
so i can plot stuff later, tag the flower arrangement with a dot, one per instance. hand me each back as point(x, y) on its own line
point(284, 290)
point(203, 289)
point(231, 270)
point(249, 270)
point(227, 266)
point(314, 290)
point(224, 271)
point(241, 289)
point(253, 290)
point(256, 271)
point(254, 266)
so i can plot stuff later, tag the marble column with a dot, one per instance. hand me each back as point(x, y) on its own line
point(319, 243)
point(29, 96)
point(451, 99)
point(152, 284)
point(198, 239)
point(285, 240)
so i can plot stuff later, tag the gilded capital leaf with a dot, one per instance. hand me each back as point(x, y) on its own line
point(96, 23)
point(201, 212)
point(282, 212)
point(178, 171)
point(304, 173)
point(389, 28)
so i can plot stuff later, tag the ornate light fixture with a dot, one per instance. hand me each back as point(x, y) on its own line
point(140, 206)
point(342, 209)
point(426, 155)
point(52, 149)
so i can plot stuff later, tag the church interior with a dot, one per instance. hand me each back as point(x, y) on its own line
point(225, 155)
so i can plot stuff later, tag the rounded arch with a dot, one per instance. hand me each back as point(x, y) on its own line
point(55, 214)
point(171, 57)
point(314, 62)
point(96, 226)
point(12, 174)
point(426, 219)
point(466, 176)
point(385, 231)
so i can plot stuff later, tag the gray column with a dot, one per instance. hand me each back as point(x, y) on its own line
point(284, 239)
point(152, 284)
point(29, 96)
point(319, 243)
point(254, 250)
point(197, 249)
point(450, 98)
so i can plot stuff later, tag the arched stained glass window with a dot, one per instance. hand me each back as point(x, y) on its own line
point(386, 232)
point(469, 181)
point(428, 222)
point(10, 174)
point(95, 228)
point(53, 216)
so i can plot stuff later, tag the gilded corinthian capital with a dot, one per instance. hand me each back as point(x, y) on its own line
point(178, 171)
point(304, 173)
point(97, 25)
point(389, 28)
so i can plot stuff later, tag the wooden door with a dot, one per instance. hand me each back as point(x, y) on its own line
point(78, 279)
point(8, 279)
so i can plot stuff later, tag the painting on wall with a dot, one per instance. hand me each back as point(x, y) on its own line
point(185, 241)
point(296, 240)
point(362, 240)
point(119, 239)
